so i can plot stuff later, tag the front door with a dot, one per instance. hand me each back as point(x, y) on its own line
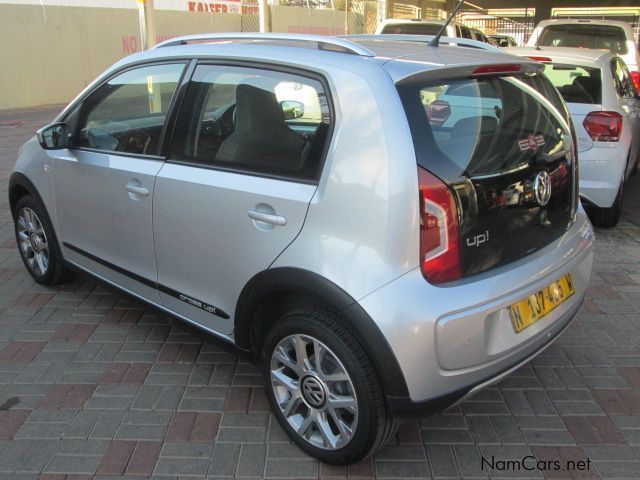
point(103, 185)
point(243, 167)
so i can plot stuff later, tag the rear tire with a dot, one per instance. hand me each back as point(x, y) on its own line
point(335, 410)
point(37, 242)
point(610, 216)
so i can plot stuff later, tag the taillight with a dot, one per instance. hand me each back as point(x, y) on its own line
point(497, 69)
point(439, 243)
point(635, 76)
point(540, 59)
point(603, 126)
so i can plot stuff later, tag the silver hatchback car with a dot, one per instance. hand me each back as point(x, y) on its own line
point(386, 226)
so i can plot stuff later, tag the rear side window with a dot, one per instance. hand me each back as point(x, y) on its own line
point(127, 113)
point(601, 37)
point(477, 127)
point(576, 84)
point(253, 120)
point(412, 29)
point(466, 32)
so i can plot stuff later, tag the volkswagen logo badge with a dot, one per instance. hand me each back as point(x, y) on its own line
point(542, 188)
point(313, 392)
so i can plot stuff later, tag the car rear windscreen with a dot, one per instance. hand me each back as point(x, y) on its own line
point(476, 126)
point(576, 84)
point(412, 29)
point(600, 37)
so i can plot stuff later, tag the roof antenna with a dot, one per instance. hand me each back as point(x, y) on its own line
point(436, 40)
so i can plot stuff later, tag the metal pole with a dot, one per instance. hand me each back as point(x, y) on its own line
point(346, 17)
point(146, 16)
point(263, 14)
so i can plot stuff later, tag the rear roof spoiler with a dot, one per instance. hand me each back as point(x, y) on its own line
point(508, 68)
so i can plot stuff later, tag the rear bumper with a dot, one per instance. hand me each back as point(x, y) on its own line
point(601, 172)
point(404, 406)
point(453, 339)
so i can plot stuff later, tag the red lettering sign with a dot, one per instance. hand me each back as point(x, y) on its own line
point(129, 44)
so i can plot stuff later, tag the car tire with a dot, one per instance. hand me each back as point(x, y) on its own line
point(37, 242)
point(609, 216)
point(334, 411)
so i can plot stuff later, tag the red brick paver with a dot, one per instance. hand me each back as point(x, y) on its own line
point(97, 383)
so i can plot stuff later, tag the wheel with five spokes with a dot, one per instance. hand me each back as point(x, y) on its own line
point(323, 388)
point(37, 242)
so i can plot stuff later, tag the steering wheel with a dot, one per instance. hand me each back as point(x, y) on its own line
point(100, 139)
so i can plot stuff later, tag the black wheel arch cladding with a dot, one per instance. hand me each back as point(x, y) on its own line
point(300, 281)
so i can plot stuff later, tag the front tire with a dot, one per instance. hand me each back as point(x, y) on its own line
point(323, 388)
point(37, 242)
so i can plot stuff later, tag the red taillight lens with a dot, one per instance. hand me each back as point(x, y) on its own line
point(635, 76)
point(603, 126)
point(439, 243)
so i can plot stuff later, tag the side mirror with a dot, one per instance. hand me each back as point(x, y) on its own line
point(292, 109)
point(53, 137)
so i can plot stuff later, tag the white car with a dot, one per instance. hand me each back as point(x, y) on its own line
point(610, 35)
point(602, 100)
point(430, 27)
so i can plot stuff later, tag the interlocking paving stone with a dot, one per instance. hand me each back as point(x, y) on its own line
point(93, 382)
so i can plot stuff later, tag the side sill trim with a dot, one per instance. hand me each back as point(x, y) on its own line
point(198, 326)
point(151, 284)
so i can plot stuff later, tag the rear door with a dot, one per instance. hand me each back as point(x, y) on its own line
point(245, 158)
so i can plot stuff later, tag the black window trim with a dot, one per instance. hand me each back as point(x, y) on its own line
point(72, 108)
point(272, 67)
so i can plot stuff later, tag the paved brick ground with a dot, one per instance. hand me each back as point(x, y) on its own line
point(93, 382)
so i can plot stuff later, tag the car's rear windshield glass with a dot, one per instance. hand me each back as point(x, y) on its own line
point(602, 37)
point(576, 84)
point(474, 127)
point(412, 29)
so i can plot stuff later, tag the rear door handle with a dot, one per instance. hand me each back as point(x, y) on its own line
point(272, 219)
point(137, 190)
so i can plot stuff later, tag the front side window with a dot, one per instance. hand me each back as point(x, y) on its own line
point(576, 84)
point(127, 113)
point(253, 120)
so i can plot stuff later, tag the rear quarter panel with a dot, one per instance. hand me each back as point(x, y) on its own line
point(362, 226)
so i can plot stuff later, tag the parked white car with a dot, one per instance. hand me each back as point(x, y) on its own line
point(430, 27)
point(602, 100)
point(611, 35)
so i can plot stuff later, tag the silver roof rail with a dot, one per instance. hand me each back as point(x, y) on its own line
point(392, 37)
point(322, 42)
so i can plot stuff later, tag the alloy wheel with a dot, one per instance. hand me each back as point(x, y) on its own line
point(33, 242)
point(314, 392)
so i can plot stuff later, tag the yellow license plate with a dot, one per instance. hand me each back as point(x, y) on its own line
point(531, 309)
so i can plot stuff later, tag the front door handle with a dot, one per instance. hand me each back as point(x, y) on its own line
point(137, 190)
point(269, 218)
